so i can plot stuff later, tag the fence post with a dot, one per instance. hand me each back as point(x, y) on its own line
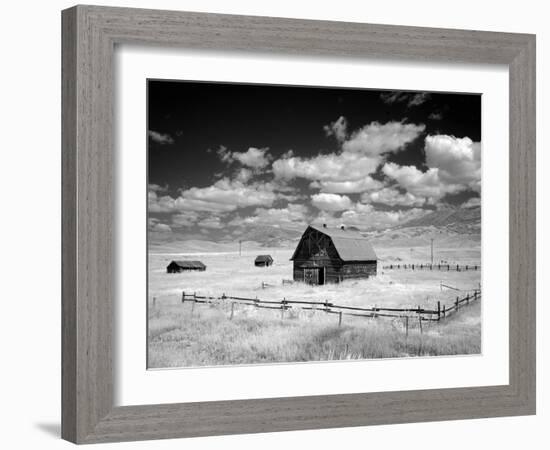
point(192, 308)
point(448, 267)
point(457, 268)
point(475, 295)
point(413, 266)
point(444, 311)
point(183, 296)
point(456, 304)
point(406, 325)
point(232, 310)
point(420, 323)
point(466, 268)
point(467, 299)
point(438, 310)
point(195, 296)
point(340, 319)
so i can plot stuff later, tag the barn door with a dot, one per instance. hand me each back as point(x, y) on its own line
point(311, 276)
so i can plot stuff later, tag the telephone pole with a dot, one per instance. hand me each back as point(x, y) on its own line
point(432, 250)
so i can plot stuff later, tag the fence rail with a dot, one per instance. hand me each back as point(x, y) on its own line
point(428, 266)
point(440, 312)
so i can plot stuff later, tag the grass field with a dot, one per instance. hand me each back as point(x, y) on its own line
point(181, 335)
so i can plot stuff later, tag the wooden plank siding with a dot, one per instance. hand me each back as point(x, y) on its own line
point(316, 250)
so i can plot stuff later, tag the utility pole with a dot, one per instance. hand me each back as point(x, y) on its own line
point(432, 250)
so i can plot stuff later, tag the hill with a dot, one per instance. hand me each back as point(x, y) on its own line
point(459, 220)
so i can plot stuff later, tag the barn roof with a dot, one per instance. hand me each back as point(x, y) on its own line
point(350, 244)
point(262, 258)
point(189, 264)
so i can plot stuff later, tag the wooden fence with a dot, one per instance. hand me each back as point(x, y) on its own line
point(419, 314)
point(428, 266)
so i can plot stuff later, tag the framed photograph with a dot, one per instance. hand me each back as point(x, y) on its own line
point(256, 209)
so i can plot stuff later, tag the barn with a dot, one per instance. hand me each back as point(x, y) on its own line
point(326, 255)
point(182, 266)
point(263, 261)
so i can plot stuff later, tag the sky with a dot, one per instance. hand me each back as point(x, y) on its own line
point(226, 157)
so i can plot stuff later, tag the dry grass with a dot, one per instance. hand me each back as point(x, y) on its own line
point(178, 338)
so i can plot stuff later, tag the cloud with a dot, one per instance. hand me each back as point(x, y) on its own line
point(331, 202)
point(418, 183)
point(162, 204)
point(160, 138)
point(212, 222)
point(392, 197)
point(435, 116)
point(255, 158)
point(410, 98)
point(349, 170)
point(375, 138)
point(292, 216)
point(185, 219)
point(454, 165)
point(155, 225)
point(224, 195)
point(347, 187)
point(244, 175)
point(331, 167)
point(458, 159)
point(157, 188)
point(470, 203)
point(338, 129)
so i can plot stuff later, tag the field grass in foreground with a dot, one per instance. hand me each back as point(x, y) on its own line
point(182, 336)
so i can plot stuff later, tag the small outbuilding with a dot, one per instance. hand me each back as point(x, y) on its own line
point(326, 255)
point(263, 261)
point(182, 266)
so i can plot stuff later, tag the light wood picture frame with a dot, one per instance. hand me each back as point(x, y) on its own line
point(90, 34)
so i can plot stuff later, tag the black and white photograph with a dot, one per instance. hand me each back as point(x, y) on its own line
point(294, 224)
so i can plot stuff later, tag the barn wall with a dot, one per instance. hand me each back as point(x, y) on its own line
point(356, 270)
point(317, 250)
point(332, 269)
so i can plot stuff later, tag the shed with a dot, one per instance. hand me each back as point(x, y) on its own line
point(263, 261)
point(181, 266)
point(330, 255)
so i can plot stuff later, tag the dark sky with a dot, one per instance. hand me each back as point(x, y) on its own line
point(200, 133)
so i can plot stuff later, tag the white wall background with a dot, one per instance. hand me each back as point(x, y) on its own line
point(30, 222)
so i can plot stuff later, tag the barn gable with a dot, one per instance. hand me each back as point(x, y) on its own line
point(330, 255)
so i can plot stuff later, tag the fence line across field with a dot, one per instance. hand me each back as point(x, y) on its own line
point(420, 314)
point(428, 266)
